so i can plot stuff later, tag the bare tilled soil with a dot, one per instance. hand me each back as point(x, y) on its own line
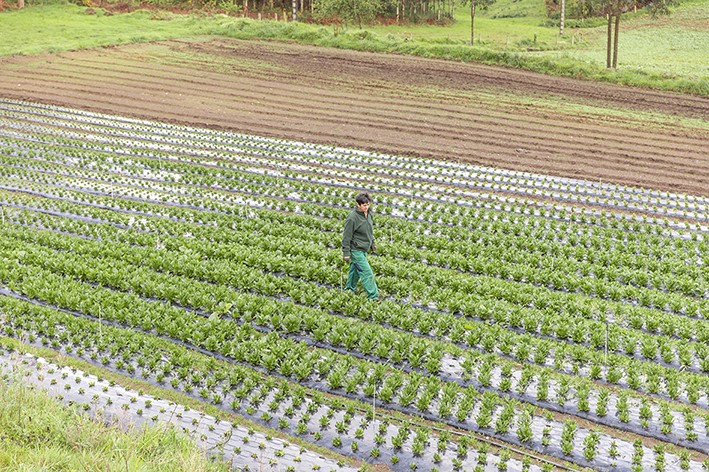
point(493, 116)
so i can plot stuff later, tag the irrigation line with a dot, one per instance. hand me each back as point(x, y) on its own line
point(479, 436)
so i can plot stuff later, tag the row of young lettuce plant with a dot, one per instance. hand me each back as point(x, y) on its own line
point(566, 394)
point(672, 325)
point(74, 114)
point(671, 286)
point(244, 180)
point(319, 173)
point(226, 162)
point(452, 173)
point(285, 286)
point(478, 257)
point(447, 324)
point(61, 334)
point(473, 259)
point(241, 444)
point(134, 354)
point(247, 251)
point(272, 243)
point(497, 221)
point(348, 426)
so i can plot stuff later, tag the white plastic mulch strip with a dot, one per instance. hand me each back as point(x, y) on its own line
point(242, 448)
point(466, 176)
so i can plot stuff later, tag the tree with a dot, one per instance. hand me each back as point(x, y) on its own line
point(358, 11)
point(613, 9)
point(482, 5)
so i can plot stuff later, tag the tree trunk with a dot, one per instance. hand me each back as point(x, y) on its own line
point(561, 17)
point(357, 17)
point(246, 7)
point(610, 40)
point(472, 22)
point(615, 39)
point(295, 10)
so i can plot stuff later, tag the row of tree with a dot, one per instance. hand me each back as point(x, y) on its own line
point(612, 10)
point(356, 11)
point(365, 11)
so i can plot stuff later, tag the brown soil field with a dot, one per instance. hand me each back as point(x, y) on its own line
point(492, 116)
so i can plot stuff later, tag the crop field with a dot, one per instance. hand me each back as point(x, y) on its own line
point(400, 105)
point(529, 322)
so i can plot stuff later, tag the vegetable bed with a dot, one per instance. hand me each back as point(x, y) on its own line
point(552, 322)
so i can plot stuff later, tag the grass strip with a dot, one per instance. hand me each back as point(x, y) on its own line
point(37, 432)
point(143, 387)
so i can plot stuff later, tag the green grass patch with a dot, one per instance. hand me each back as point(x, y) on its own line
point(505, 25)
point(678, 51)
point(512, 33)
point(65, 26)
point(39, 433)
point(146, 388)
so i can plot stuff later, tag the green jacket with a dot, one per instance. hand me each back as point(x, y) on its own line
point(358, 234)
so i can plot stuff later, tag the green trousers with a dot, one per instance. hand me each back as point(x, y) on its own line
point(361, 270)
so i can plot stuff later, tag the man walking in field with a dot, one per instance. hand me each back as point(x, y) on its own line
point(357, 240)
